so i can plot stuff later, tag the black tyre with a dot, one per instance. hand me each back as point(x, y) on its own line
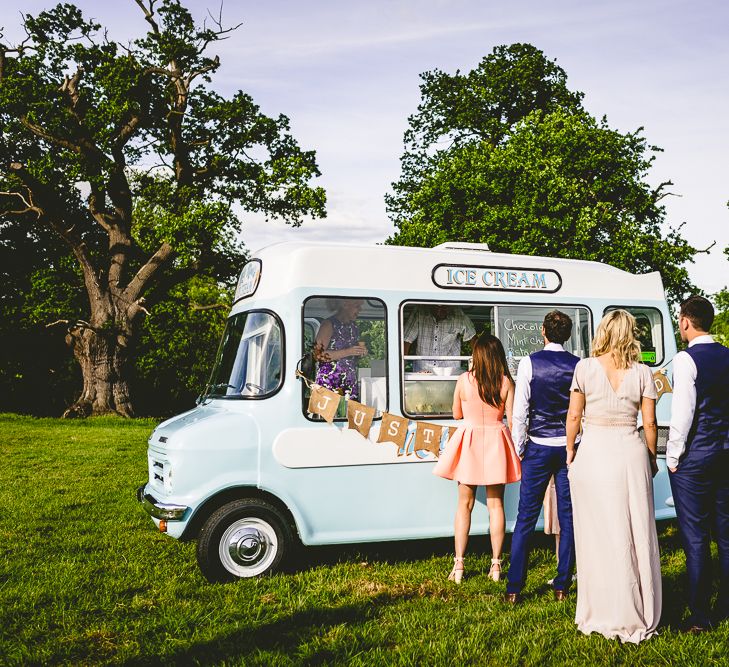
point(245, 538)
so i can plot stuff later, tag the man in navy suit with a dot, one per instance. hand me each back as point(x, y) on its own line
point(541, 399)
point(697, 456)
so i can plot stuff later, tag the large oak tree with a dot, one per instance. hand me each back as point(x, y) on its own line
point(129, 156)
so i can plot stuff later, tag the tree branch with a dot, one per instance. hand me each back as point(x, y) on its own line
point(70, 88)
point(149, 14)
point(29, 206)
point(203, 70)
point(58, 141)
point(48, 205)
point(137, 284)
point(126, 130)
point(211, 306)
point(20, 49)
point(706, 250)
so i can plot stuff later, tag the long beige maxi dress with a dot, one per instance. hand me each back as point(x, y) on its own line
point(616, 544)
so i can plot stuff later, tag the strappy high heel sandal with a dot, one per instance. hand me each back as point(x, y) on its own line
point(495, 571)
point(457, 572)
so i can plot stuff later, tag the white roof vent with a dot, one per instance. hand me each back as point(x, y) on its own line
point(455, 245)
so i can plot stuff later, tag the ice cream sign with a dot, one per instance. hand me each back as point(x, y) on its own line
point(500, 278)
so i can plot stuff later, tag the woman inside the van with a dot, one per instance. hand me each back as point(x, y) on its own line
point(337, 347)
point(481, 451)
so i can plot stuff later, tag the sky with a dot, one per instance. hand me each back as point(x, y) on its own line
point(347, 76)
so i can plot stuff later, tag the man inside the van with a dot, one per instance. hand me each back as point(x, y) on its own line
point(437, 330)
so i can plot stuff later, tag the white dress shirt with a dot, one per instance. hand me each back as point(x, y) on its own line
point(520, 417)
point(683, 403)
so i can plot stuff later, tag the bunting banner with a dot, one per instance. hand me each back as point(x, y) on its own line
point(427, 437)
point(323, 402)
point(663, 386)
point(393, 429)
point(359, 417)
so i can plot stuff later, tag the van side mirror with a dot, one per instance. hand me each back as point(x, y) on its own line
point(307, 366)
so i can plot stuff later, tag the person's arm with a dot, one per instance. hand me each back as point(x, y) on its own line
point(683, 406)
point(650, 429)
point(468, 331)
point(575, 410)
point(522, 394)
point(574, 419)
point(410, 330)
point(457, 406)
point(323, 336)
point(509, 403)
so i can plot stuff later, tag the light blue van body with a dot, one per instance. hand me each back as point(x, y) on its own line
point(235, 446)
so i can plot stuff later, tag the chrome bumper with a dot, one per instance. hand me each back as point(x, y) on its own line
point(160, 510)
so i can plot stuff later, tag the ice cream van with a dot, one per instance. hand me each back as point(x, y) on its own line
point(252, 474)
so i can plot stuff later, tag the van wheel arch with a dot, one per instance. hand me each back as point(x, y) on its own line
point(214, 503)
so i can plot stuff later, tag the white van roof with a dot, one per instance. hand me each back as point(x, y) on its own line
point(330, 268)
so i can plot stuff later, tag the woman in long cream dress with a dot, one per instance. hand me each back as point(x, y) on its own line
point(611, 483)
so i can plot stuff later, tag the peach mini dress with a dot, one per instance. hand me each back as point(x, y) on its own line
point(481, 451)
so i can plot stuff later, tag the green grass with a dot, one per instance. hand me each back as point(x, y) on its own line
point(86, 579)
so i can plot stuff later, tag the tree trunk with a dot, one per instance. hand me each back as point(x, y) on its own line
point(103, 356)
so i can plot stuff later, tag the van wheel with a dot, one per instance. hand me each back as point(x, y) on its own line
point(245, 538)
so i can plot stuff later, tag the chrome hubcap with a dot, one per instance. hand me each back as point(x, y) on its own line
point(248, 547)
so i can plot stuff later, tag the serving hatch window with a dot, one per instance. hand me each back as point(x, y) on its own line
point(345, 345)
point(437, 345)
point(649, 331)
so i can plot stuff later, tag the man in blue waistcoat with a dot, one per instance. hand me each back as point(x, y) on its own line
point(697, 456)
point(541, 400)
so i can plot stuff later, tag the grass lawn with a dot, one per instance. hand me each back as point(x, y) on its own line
point(86, 579)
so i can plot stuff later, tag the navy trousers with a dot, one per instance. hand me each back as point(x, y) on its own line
point(700, 488)
point(539, 464)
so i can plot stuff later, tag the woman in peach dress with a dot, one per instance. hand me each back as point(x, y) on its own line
point(481, 452)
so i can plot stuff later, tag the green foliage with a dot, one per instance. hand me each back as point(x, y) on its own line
point(39, 283)
point(720, 328)
point(116, 591)
point(525, 169)
point(372, 332)
point(178, 344)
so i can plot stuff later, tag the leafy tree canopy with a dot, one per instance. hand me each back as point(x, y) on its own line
point(520, 165)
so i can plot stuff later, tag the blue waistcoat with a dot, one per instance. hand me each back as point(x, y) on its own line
point(552, 373)
point(710, 428)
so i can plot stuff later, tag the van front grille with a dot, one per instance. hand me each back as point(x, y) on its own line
point(157, 472)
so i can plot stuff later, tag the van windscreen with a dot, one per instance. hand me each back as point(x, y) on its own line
point(249, 360)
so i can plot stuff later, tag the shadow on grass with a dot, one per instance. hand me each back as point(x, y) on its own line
point(284, 637)
point(397, 552)
point(674, 578)
point(394, 552)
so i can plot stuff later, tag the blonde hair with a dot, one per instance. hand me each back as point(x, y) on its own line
point(616, 334)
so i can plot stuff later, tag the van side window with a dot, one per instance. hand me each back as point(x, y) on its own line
point(519, 327)
point(436, 345)
point(649, 325)
point(345, 339)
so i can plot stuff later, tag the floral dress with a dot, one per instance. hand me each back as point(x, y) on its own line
point(340, 375)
